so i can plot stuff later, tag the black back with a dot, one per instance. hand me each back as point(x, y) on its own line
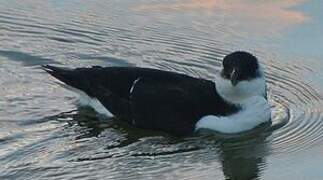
point(160, 100)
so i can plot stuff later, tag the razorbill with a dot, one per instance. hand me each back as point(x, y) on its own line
point(176, 103)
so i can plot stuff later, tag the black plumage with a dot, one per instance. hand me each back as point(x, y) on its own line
point(148, 98)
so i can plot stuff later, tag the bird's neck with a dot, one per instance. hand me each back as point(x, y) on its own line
point(249, 97)
point(242, 92)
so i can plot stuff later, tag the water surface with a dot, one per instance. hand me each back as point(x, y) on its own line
point(45, 135)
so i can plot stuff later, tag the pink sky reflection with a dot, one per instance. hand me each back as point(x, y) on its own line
point(270, 16)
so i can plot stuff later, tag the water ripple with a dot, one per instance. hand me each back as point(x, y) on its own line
point(40, 139)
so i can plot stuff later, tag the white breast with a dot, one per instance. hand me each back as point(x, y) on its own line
point(255, 111)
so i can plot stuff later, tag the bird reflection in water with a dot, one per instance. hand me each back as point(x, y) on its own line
point(243, 158)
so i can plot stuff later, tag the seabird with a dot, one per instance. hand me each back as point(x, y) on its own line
point(176, 103)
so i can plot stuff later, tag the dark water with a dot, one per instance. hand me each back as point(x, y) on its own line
point(45, 135)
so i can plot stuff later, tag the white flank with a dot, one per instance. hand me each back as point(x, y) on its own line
point(85, 100)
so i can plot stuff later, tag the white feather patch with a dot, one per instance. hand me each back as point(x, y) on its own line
point(242, 91)
point(255, 111)
point(85, 100)
point(134, 84)
point(250, 95)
